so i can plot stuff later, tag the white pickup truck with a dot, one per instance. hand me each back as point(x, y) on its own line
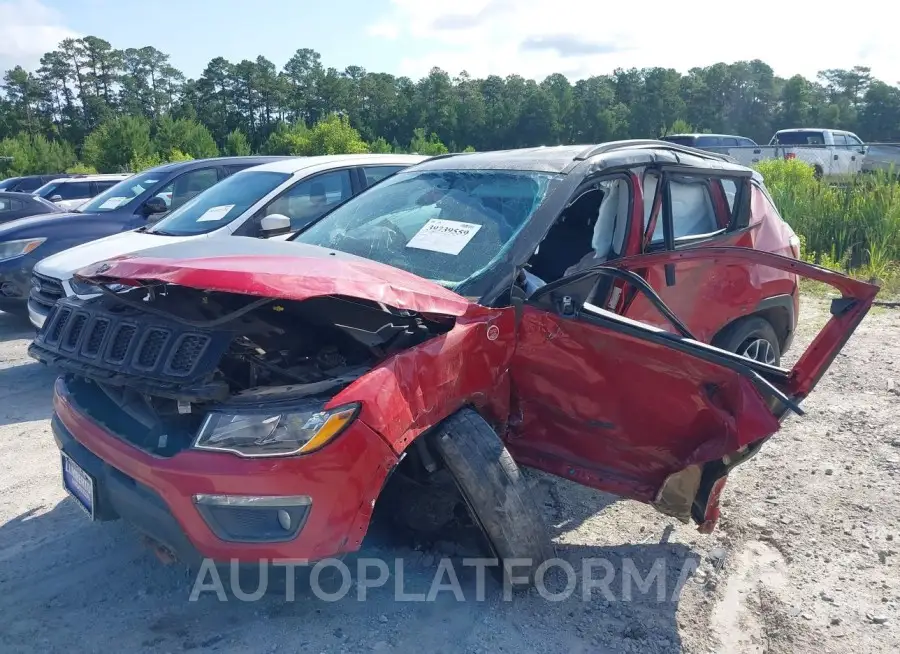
point(836, 155)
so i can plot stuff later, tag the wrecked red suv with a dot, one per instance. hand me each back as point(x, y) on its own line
point(242, 399)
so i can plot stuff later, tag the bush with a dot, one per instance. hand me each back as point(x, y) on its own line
point(857, 223)
point(186, 136)
point(34, 155)
point(236, 144)
point(81, 169)
point(116, 143)
point(431, 146)
point(331, 135)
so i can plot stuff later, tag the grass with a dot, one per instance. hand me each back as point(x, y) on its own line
point(853, 228)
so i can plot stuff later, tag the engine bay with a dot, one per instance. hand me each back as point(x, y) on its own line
point(189, 350)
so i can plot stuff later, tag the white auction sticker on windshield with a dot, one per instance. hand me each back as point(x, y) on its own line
point(447, 236)
point(112, 203)
point(215, 213)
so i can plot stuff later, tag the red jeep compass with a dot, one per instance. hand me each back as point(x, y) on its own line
point(247, 399)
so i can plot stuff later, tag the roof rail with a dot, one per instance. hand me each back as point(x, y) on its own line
point(612, 146)
point(444, 156)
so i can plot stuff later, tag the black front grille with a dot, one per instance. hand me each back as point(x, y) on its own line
point(101, 339)
point(45, 291)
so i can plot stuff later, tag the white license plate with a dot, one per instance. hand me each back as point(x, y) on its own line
point(78, 484)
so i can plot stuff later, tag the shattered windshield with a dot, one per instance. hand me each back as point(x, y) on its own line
point(445, 226)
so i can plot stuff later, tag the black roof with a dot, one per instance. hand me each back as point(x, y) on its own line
point(562, 158)
point(222, 161)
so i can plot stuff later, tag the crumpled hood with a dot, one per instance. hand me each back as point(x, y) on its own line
point(63, 264)
point(285, 270)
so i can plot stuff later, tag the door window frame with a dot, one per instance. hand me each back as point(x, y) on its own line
point(249, 227)
point(364, 179)
point(174, 180)
point(737, 221)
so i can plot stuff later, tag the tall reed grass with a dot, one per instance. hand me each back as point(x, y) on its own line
point(853, 227)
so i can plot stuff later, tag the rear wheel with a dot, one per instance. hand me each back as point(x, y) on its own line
point(753, 338)
point(496, 493)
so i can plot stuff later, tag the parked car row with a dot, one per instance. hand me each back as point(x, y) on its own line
point(835, 155)
point(252, 375)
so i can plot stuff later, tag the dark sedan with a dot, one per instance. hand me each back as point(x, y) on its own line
point(22, 205)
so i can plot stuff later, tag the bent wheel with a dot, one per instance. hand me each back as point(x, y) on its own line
point(496, 493)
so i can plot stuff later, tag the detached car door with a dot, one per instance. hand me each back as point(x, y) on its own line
point(648, 413)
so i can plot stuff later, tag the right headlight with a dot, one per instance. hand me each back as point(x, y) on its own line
point(294, 431)
point(18, 248)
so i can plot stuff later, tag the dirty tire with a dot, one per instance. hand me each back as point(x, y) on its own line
point(496, 492)
point(740, 334)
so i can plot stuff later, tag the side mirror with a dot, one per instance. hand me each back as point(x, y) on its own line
point(55, 198)
point(154, 205)
point(274, 224)
point(864, 150)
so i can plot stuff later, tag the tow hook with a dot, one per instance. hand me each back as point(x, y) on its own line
point(163, 553)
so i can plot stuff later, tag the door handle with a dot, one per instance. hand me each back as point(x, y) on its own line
point(756, 151)
point(835, 157)
point(853, 158)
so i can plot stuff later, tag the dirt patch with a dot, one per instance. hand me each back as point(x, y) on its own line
point(806, 558)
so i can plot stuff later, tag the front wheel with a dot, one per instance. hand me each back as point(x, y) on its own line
point(496, 493)
point(753, 338)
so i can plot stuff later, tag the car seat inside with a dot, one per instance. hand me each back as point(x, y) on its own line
point(590, 231)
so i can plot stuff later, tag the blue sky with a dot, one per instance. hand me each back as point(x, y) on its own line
point(532, 38)
point(194, 31)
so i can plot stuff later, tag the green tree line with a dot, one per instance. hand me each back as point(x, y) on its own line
point(89, 105)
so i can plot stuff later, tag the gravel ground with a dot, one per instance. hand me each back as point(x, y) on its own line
point(805, 559)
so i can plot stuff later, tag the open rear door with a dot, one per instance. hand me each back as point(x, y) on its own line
point(653, 414)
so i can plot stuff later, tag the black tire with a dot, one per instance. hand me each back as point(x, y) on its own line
point(496, 493)
point(818, 173)
point(739, 337)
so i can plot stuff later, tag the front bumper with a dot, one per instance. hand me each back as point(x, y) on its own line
point(156, 494)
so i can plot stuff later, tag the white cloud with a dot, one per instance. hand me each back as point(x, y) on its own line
point(28, 29)
point(534, 38)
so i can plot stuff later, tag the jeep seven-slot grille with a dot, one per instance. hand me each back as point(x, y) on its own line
point(101, 339)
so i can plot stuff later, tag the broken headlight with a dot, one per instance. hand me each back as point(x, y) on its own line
point(299, 430)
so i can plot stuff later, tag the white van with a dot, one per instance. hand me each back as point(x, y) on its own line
point(273, 200)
